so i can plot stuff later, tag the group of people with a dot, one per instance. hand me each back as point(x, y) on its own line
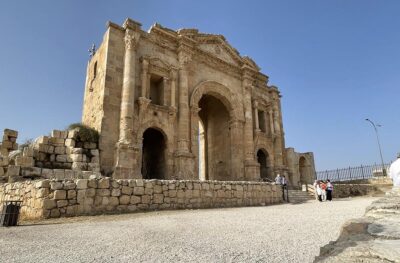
point(323, 190)
point(281, 180)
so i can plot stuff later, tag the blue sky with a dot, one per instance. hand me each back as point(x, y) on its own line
point(335, 62)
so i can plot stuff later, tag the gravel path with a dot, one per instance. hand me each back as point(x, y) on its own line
point(280, 233)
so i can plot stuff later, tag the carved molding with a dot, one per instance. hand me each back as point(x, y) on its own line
point(131, 39)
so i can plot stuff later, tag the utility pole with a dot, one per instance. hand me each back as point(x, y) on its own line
point(379, 144)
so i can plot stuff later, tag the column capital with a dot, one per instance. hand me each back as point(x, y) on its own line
point(173, 74)
point(145, 64)
point(195, 110)
point(184, 58)
point(131, 39)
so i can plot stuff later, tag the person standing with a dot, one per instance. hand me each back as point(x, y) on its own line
point(316, 182)
point(319, 192)
point(329, 190)
point(284, 181)
point(278, 179)
point(394, 171)
point(323, 189)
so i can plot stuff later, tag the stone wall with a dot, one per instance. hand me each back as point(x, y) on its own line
point(62, 155)
point(59, 198)
point(347, 190)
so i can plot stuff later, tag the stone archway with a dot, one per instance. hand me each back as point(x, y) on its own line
point(265, 164)
point(154, 154)
point(216, 121)
point(215, 148)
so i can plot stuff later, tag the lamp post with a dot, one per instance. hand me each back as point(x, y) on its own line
point(379, 144)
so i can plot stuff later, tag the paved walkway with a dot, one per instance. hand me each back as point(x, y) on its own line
point(279, 233)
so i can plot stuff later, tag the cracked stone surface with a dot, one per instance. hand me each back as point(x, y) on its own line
point(372, 238)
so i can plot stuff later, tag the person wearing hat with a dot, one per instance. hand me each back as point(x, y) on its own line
point(394, 171)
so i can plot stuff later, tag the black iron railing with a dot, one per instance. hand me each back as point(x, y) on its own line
point(354, 173)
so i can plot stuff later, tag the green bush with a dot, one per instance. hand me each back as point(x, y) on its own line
point(85, 133)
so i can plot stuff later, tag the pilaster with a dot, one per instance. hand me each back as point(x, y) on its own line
point(126, 150)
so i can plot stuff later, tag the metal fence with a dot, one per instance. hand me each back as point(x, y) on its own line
point(353, 173)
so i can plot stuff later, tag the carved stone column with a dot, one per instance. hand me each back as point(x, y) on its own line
point(265, 122)
point(165, 91)
point(126, 150)
point(194, 121)
point(251, 169)
point(236, 139)
point(145, 81)
point(257, 128)
point(271, 122)
point(184, 158)
point(277, 126)
point(173, 88)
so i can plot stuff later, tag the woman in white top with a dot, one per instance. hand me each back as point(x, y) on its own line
point(319, 192)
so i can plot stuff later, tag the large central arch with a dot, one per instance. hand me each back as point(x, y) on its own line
point(222, 93)
point(218, 155)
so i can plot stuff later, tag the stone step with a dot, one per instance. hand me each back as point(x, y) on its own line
point(298, 196)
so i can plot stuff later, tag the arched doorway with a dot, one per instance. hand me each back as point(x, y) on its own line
point(153, 154)
point(214, 139)
point(265, 164)
point(303, 170)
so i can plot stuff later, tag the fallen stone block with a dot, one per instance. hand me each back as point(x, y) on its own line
point(10, 133)
point(13, 170)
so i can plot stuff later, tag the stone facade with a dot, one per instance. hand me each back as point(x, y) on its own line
point(59, 198)
point(181, 105)
point(301, 167)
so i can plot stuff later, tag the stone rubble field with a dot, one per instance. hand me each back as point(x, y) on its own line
point(278, 233)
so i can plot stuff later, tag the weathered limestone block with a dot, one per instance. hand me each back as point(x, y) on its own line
point(71, 194)
point(146, 199)
point(158, 198)
point(126, 190)
point(55, 185)
point(135, 199)
point(80, 166)
point(124, 199)
point(70, 142)
point(62, 158)
point(59, 150)
point(95, 167)
point(10, 133)
point(116, 192)
point(103, 192)
point(82, 184)
point(62, 203)
point(42, 140)
point(43, 184)
point(73, 134)
point(31, 171)
point(104, 183)
point(49, 204)
point(4, 160)
point(158, 189)
point(42, 192)
point(94, 152)
point(56, 134)
point(138, 190)
point(24, 161)
point(60, 194)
